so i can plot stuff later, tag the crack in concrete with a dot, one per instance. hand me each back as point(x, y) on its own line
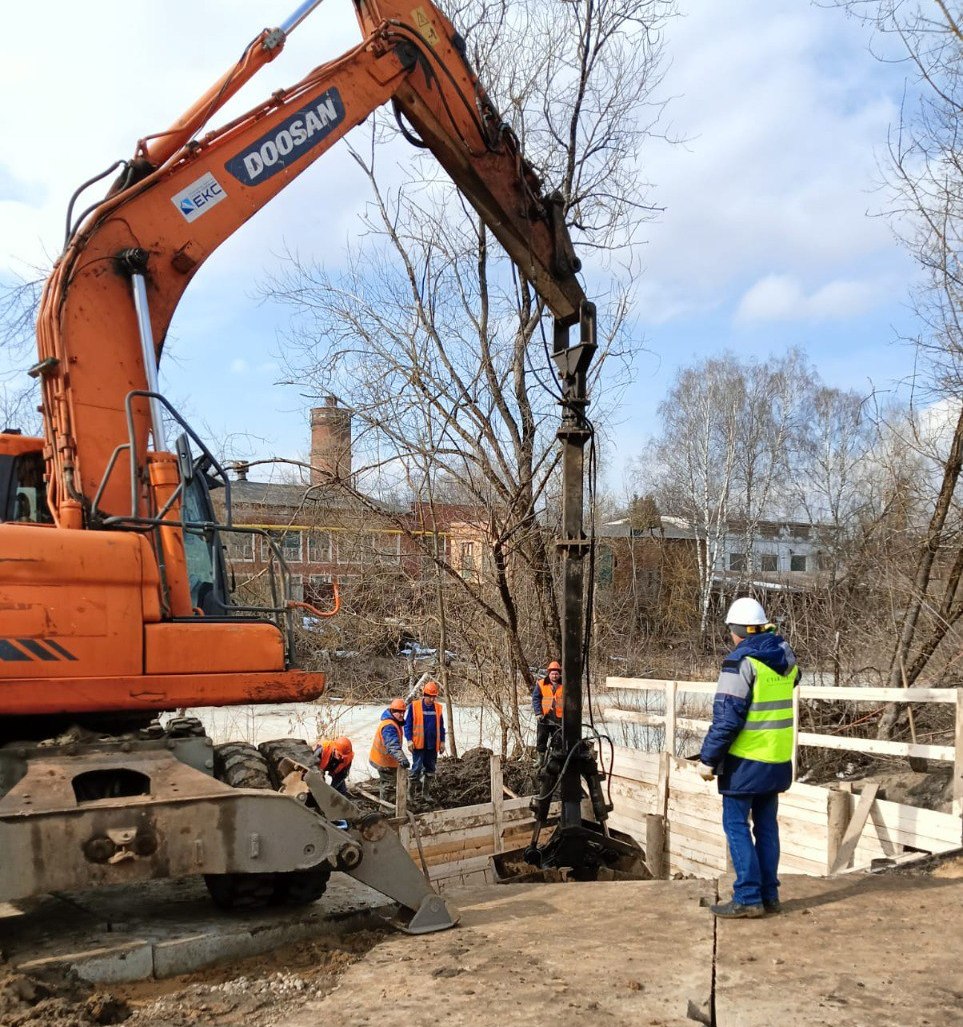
point(712, 981)
point(705, 1012)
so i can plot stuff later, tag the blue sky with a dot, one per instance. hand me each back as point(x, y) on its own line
point(767, 239)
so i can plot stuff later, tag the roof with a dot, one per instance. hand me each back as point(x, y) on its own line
point(672, 528)
point(267, 493)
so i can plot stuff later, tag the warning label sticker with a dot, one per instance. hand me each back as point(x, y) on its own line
point(424, 26)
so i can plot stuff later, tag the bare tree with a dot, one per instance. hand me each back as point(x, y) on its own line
point(728, 427)
point(925, 170)
point(435, 339)
point(19, 395)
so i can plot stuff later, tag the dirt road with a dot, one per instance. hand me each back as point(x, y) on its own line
point(861, 951)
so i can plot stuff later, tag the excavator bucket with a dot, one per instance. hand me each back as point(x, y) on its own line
point(615, 856)
point(372, 853)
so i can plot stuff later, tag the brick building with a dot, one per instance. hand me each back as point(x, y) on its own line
point(325, 532)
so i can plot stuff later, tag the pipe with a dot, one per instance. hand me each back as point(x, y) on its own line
point(139, 286)
point(292, 21)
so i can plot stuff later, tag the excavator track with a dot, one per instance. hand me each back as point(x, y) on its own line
point(241, 765)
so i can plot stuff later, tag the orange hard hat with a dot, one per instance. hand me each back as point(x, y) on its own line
point(430, 688)
point(554, 665)
point(343, 746)
point(397, 706)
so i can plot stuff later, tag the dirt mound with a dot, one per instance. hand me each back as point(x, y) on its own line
point(55, 1000)
point(467, 781)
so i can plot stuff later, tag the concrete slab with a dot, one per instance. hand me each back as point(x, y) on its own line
point(605, 954)
point(162, 928)
point(864, 951)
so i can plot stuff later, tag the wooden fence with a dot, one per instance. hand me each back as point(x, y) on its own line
point(822, 830)
point(455, 845)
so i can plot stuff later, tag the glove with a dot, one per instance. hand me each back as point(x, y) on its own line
point(441, 751)
point(706, 772)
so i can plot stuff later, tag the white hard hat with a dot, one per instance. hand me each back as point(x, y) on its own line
point(746, 612)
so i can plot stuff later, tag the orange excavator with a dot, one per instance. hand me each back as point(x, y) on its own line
point(115, 602)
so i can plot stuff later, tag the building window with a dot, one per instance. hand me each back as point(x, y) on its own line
point(467, 557)
point(289, 543)
point(797, 563)
point(388, 548)
point(297, 588)
point(769, 562)
point(239, 548)
point(319, 547)
point(737, 561)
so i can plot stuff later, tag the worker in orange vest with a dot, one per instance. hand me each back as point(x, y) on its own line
point(547, 705)
point(334, 759)
point(387, 752)
point(425, 732)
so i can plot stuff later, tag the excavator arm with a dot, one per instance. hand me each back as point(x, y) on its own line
point(125, 268)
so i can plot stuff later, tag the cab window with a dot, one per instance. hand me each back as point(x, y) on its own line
point(23, 493)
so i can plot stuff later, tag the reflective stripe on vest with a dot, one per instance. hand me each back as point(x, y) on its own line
point(326, 761)
point(379, 755)
point(551, 698)
point(418, 725)
point(768, 732)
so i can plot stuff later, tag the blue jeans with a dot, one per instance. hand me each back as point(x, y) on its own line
point(755, 857)
point(423, 763)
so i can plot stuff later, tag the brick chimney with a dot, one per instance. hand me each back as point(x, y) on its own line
point(330, 441)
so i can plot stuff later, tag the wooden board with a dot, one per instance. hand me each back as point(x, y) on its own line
point(876, 695)
point(876, 745)
point(659, 685)
point(855, 829)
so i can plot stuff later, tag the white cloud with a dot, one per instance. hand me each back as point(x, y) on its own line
point(239, 366)
point(785, 113)
point(783, 298)
point(938, 423)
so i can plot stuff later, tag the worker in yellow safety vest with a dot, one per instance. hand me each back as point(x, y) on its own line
point(749, 748)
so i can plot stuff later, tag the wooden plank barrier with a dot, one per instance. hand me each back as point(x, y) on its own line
point(658, 795)
point(822, 830)
point(457, 844)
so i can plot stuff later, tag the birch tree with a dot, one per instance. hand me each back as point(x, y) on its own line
point(722, 454)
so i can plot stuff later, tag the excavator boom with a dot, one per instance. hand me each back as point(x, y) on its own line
point(183, 195)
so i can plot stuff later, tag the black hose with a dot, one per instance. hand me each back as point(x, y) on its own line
point(69, 231)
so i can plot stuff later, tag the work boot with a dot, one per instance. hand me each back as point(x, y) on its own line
point(426, 788)
point(733, 910)
point(772, 907)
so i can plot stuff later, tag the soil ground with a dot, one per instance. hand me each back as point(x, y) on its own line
point(465, 781)
point(881, 950)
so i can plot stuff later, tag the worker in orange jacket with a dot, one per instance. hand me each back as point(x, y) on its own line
point(547, 705)
point(334, 759)
point(425, 732)
point(387, 751)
